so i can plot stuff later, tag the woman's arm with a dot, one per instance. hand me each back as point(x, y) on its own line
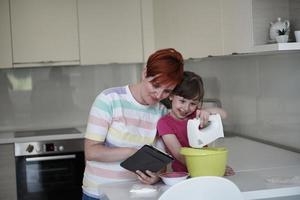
point(216, 110)
point(96, 151)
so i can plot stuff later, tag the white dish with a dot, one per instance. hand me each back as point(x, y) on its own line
point(171, 178)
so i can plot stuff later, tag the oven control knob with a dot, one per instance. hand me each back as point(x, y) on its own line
point(38, 149)
point(29, 148)
point(61, 148)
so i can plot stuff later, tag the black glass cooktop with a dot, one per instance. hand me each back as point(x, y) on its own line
point(44, 132)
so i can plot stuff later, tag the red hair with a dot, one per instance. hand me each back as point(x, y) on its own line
point(166, 65)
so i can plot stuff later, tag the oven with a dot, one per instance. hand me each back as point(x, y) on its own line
point(49, 170)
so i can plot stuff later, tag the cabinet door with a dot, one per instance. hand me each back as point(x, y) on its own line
point(44, 32)
point(8, 185)
point(110, 31)
point(193, 26)
point(246, 24)
point(5, 38)
point(237, 26)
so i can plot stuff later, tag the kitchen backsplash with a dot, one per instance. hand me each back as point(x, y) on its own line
point(41, 98)
point(261, 93)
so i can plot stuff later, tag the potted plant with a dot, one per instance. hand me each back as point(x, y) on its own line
point(282, 36)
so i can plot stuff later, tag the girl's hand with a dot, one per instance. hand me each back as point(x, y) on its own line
point(229, 171)
point(203, 115)
point(148, 178)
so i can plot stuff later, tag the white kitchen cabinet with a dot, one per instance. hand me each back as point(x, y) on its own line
point(246, 24)
point(110, 31)
point(237, 26)
point(193, 27)
point(8, 184)
point(44, 32)
point(5, 37)
point(222, 27)
point(147, 28)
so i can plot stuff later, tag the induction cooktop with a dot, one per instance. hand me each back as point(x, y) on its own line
point(45, 132)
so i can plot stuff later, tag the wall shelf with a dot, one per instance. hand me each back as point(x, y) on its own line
point(277, 47)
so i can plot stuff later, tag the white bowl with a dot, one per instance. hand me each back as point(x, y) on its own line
point(171, 178)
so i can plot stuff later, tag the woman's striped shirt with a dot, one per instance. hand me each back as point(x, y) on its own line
point(118, 120)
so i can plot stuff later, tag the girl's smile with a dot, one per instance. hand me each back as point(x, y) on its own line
point(182, 107)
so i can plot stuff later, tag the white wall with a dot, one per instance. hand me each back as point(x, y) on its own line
point(260, 93)
point(35, 98)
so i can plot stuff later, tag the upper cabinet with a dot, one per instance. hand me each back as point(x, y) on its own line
point(246, 24)
point(237, 26)
point(194, 27)
point(87, 32)
point(44, 32)
point(5, 37)
point(110, 31)
point(199, 28)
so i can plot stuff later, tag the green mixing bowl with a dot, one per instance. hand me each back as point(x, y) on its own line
point(205, 161)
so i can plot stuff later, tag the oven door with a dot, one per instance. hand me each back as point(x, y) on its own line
point(47, 177)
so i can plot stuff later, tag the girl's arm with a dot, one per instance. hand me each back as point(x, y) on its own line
point(173, 146)
point(216, 110)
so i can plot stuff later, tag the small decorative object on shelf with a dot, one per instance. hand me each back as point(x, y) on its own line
point(279, 29)
point(282, 37)
point(297, 35)
point(281, 32)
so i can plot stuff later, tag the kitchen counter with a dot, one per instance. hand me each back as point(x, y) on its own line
point(262, 172)
point(10, 137)
point(269, 183)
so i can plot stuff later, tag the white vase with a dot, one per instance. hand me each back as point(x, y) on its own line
point(282, 38)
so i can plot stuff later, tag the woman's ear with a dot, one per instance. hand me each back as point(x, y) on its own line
point(144, 73)
point(171, 97)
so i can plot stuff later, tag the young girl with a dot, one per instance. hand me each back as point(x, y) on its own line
point(185, 99)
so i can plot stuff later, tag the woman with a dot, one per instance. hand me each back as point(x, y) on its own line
point(123, 119)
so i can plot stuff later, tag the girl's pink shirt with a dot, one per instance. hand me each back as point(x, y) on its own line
point(169, 125)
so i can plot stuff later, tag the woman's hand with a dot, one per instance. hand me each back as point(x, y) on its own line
point(148, 178)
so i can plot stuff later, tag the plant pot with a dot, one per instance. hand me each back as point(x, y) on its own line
point(282, 38)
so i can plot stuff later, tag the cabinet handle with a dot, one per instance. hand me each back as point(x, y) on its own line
point(44, 62)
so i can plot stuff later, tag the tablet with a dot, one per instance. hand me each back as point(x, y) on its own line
point(147, 158)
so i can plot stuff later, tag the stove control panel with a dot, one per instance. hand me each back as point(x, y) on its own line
point(48, 147)
point(29, 148)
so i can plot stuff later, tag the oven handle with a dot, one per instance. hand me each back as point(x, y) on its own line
point(44, 158)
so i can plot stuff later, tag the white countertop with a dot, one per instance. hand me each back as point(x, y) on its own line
point(268, 183)
point(248, 155)
point(262, 172)
point(9, 137)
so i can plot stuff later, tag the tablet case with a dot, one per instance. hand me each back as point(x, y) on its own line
point(147, 158)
